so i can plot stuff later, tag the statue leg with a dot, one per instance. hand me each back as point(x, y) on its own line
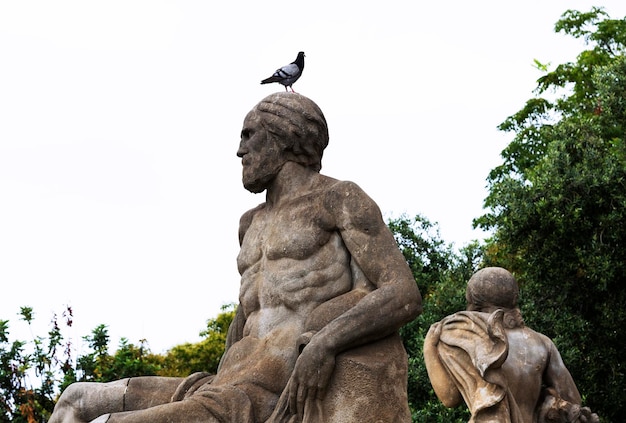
point(187, 411)
point(207, 404)
point(83, 402)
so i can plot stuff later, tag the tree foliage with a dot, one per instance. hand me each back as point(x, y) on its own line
point(33, 373)
point(569, 90)
point(557, 206)
point(441, 275)
point(203, 356)
point(44, 359)
point(128, 360)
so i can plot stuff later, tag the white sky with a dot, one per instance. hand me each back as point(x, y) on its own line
point(120, 190)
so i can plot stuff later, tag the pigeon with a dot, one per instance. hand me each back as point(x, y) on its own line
point(288, 74)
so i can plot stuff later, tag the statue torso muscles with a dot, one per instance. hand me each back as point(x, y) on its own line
point(290, 263)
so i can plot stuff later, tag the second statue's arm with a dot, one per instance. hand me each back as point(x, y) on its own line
point(440, 380)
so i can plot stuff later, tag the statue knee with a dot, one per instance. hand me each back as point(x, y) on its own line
point(66, 406)
point(84, 401)
point(70, 395)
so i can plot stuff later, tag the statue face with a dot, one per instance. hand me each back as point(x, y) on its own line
point(261, 155)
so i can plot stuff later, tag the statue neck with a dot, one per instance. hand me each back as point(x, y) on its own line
point(292, 181)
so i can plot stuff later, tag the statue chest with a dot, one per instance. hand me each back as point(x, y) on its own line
point(294, 232)
point(288, 259)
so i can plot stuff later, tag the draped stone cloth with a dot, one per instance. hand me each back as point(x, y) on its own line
point(472, 347)
point(369, 385)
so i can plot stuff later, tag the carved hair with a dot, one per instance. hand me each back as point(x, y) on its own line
point(495, 288)
point(298, 124)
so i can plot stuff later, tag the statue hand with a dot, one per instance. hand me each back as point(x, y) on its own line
point(586, 416)
point(311, 375)
point(434, 332)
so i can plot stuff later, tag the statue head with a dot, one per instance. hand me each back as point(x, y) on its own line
point(298, 126)
point(490, 288)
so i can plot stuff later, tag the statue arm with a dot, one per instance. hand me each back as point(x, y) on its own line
point(246, 220)
point(444, 388)
point(561, 394)
point(557, 376)
point(375, 251)
point(235, 330)
point(394, 301)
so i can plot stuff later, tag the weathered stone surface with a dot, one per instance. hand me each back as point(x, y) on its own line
point(502, 370)
point(324, 290)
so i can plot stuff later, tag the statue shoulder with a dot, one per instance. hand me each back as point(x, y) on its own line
point(539, 337)
point(246, 220)
point(351, 206)
point(345, 193)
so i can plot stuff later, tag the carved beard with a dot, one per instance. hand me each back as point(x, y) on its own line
point(257, 185)
point(256, 179)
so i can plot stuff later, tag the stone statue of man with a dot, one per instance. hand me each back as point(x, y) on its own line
point(324, 290)
point(502, 369)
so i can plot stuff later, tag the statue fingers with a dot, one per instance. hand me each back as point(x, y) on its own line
point(303, 393)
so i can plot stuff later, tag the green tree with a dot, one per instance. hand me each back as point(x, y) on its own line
point(557, 207)
point(441, 275)
point(203, 356)
point(43, 359)
point(128, 360)
point(33, 373)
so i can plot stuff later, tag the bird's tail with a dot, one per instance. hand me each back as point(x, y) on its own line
point(270, 80)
